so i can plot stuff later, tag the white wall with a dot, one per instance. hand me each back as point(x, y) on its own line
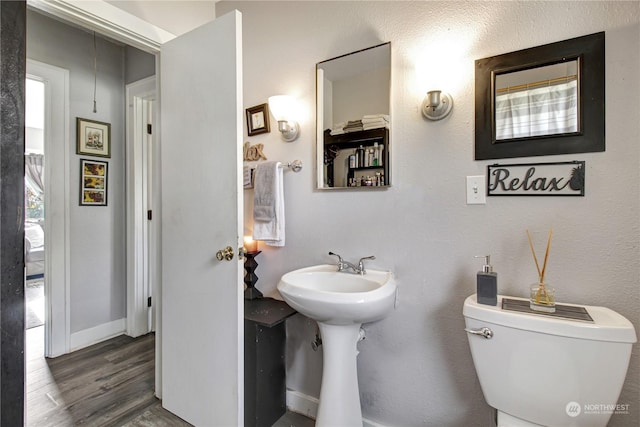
point(373, 91)
point(415, 367)
point(97, 291)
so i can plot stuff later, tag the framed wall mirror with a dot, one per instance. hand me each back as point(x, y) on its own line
point(353, 122)
point(544, 100)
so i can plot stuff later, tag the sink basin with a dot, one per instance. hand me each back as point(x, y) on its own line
point(339, 298)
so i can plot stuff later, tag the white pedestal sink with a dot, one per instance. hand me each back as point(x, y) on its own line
point(340, 302)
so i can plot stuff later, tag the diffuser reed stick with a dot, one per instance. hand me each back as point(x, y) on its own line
point(546, 256)
point(542, 297)
point(535, 258)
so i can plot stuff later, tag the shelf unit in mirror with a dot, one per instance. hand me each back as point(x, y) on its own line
point(357, 159)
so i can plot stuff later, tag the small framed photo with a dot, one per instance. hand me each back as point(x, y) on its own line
point(94, 138)
point(258, 119)
point(93, 183)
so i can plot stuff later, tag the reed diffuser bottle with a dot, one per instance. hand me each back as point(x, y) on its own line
point(542, 297)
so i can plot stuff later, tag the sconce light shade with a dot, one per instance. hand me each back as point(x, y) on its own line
point(437, 105)
point(283, 109)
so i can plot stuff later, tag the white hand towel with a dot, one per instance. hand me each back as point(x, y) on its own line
point(268, 204)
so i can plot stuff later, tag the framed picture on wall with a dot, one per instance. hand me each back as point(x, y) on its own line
point(94, 138)
point(93, 183)
point(258, 119)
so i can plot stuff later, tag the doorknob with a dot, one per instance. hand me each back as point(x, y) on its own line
point(226, 254)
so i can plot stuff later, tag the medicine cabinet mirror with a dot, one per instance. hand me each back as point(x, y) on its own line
point(544, 100)
point(353, 122)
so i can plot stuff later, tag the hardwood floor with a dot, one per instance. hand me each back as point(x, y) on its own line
point(108, 384)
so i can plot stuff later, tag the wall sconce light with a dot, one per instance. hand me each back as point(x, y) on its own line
point(437, 105)
point(283, 109)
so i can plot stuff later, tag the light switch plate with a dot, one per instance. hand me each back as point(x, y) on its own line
point(476, 190)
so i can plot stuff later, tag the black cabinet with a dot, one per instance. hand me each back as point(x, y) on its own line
point(264, 365)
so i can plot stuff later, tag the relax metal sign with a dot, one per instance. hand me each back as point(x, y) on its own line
point(536, 179)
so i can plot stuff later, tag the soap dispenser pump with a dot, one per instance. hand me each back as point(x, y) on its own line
point(487, 292)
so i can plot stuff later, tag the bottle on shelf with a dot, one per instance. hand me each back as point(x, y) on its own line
point(376, 154)
point(360, 156)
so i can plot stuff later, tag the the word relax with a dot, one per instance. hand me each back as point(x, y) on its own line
point(527, 183)
point(538, 179)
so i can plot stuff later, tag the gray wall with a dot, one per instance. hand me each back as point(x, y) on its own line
point(138, 64)
point(415, 367)
point(98, 287)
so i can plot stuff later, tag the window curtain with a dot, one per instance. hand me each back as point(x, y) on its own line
point(541, 111)
point(34, 173)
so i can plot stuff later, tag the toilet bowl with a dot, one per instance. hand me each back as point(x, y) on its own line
point(542, 370)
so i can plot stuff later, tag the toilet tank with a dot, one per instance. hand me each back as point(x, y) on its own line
point(547, 370)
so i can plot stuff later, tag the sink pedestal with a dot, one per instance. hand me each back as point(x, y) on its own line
point(339, 395)
point(340, 302)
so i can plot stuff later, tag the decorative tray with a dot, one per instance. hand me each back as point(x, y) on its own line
point(563, 311)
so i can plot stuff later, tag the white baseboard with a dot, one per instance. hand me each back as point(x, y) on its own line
point(308, 406)
point(302, 403)
point(87, 337)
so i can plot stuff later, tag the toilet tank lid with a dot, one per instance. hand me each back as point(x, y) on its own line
point(607, 325)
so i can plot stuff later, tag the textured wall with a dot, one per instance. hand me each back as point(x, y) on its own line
point(415, 367)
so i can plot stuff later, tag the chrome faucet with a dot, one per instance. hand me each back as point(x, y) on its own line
point(345, 265)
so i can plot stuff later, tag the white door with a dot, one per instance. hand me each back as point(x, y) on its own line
point(140, 98)
point(201, 138)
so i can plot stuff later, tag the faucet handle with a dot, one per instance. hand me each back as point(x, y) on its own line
point(367, 257)
point(361, 263)
point(339, 257)
point(340, 261)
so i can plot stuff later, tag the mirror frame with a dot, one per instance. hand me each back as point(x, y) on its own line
point(589, 51)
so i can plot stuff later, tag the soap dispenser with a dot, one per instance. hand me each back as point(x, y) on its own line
point(487, 292)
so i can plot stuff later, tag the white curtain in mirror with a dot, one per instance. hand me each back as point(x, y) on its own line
point(545, 110)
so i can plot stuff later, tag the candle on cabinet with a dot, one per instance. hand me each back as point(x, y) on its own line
point(250, 245)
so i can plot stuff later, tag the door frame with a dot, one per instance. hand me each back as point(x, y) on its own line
point(57, 258)
point(109, 20)
point(106, 19)
point(141, 238)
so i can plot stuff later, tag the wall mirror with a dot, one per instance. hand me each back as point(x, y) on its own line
point(353, 122)
point(544, 100)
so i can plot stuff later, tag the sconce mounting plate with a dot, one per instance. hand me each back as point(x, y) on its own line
point(441, 111)
point(289, 130)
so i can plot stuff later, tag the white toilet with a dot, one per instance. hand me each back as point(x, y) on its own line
point(541, 370)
